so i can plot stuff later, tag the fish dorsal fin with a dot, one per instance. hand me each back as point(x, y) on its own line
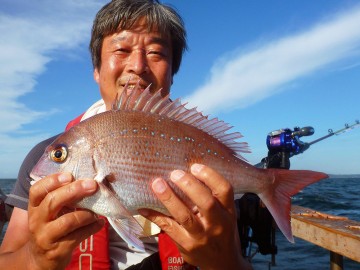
point(156, 103)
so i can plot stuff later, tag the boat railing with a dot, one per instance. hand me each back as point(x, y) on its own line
point(339, 235)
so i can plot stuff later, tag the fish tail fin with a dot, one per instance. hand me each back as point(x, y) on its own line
point(277, 199)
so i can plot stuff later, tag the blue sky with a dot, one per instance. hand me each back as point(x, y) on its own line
point(258, 65)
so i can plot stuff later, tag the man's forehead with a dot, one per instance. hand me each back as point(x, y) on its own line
point(130, 35)
point(154, 35)
point(144, 25)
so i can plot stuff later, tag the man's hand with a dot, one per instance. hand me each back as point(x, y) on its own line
point(55, 230)
point(206, 235)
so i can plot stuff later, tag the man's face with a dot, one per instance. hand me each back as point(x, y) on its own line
point(134, 55)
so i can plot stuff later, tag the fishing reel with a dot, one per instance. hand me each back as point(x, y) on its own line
point(287, 140)
point(283, 144)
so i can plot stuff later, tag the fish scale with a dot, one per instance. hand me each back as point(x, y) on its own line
point(143, 149)
point(147, 136)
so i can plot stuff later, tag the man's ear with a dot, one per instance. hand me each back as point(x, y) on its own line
point(96, 75)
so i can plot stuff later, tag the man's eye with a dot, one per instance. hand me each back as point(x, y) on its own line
point(159, 54)
point(155, 52)
point(122, 50)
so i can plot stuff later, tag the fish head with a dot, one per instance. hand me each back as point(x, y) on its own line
point(70, 152)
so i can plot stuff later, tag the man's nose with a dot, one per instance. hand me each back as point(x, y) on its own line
point(137, 62)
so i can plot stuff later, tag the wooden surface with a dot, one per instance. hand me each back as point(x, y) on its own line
point(337, 234)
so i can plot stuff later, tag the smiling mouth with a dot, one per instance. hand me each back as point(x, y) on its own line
point(129, 87)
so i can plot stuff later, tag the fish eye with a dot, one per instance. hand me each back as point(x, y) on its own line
point(59, 153)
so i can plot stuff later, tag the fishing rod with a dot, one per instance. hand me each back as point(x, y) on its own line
point(285, 143)
point(256, 222)
point(340, 131)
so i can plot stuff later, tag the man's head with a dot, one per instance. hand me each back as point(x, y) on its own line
point(136, 41)
point(124, 14)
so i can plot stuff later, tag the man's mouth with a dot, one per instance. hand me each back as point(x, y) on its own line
point(129, 87)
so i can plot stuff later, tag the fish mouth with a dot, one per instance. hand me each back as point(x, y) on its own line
point(34, 177)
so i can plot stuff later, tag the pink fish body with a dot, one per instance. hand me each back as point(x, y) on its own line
point(126, 148)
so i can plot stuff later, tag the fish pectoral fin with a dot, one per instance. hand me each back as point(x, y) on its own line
point(101, 167)
point(121, 219)
point(130, 231)
point(101, 175)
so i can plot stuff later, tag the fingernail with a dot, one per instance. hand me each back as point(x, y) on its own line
point(176, 175)
point(64, 178)
point(159, 185)
point(89, 184)
point(196, 168)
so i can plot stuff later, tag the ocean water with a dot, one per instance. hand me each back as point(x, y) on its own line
point(337, 195)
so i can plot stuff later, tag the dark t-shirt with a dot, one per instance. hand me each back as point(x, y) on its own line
point(19, 196)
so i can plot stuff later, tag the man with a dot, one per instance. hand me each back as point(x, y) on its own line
point(132, 41)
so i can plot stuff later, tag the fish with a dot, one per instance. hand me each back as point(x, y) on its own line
point(145, 136)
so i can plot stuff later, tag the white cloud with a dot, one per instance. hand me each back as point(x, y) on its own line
point(34, 30)
point(247, 78)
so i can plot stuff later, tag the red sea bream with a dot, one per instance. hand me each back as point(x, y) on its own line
point(147, 136)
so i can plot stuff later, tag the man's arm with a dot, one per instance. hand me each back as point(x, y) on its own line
point(18, 223)
point(206, 236)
